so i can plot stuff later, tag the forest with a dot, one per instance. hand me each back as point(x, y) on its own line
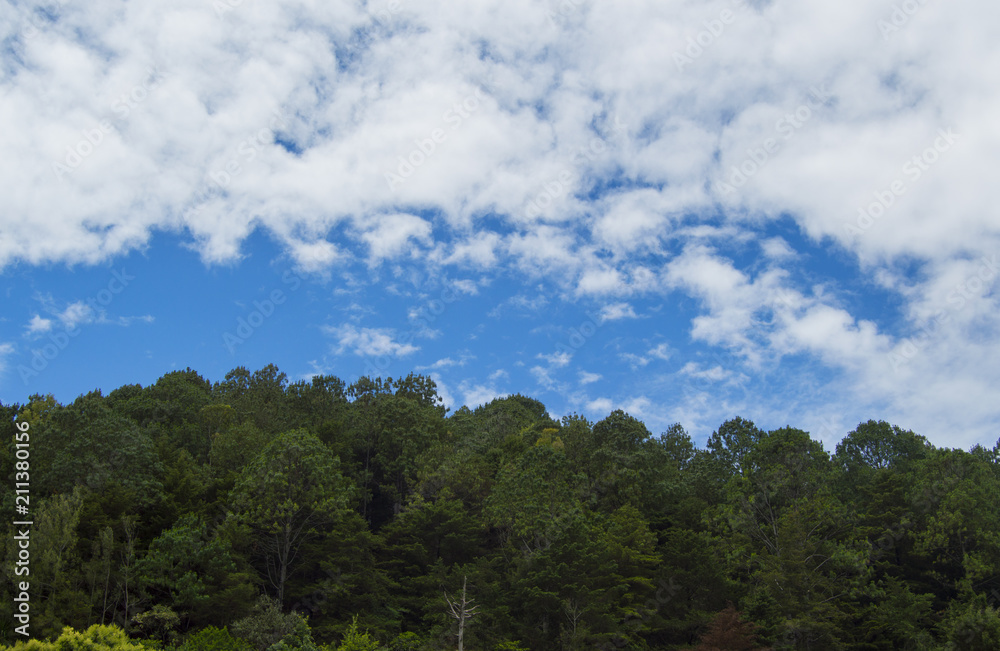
point(259, 514)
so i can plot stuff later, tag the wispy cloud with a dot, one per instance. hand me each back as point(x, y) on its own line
point(6, 350)
point(447, 362)
point(617, 311)
point(77, 313)
point(368, 342)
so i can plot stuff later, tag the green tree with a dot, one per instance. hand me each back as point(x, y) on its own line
point(266, 625)
point(354, 640)
point(879, 445)
point(299, 639)
point(292, 492)
point(235, 448)
point(54, 565)
point(88, 444)
point(730, 445)
point(195, 574)
point(396, 422)
point(159, 622)
point(533, 496)
point(211, 638)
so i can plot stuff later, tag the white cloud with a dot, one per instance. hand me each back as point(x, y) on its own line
point(368, 342)
point(634, 361)
point(661, 352)
point(474, 395)
point(600, 406)
point(75, 314)
point(465, 287)
point(638, 407)
point(38, 325)
point(129, 320)
point(589, 378)
point(478, 250)
point(446, 362)
point(617, 311)
point(543, 375)
point(556, 360)
point(520, 303)
point(633, 220)
point(6, 349)
point(776, 248)
point(201, 152)
point(442, 390)
point(389, 236)
point(715, 374)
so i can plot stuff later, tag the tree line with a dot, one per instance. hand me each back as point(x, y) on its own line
point(258, 514)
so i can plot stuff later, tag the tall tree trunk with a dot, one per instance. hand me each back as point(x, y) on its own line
point(461, 611)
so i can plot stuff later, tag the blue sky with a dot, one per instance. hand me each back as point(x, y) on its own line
point(687, 210)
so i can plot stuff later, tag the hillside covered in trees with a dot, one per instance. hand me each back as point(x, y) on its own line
point(259, 514)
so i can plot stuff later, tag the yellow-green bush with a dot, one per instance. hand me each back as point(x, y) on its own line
point(96, 638)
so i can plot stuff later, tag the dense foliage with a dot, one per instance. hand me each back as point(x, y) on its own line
point(256, 514)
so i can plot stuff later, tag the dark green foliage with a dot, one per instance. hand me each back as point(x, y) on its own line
point(166, 511)
point(211, 638)
point(158, 623)
point(194, 573)
point(266, 625)
point(87, 443)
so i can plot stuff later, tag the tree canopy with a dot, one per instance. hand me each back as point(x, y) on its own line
point(259, 514)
